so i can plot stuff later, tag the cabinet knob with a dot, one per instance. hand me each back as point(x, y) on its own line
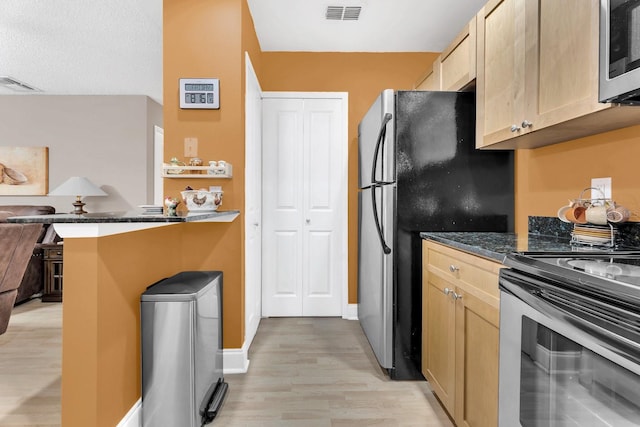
point(457, 296)
point(447, 291)
point(514, 128)
point(453, 268)
point(526, 124)
point(308, 221)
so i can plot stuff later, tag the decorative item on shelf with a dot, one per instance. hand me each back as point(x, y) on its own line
point(219, 167)
point(172, 204)
point(202, 200)
point(78, 186)
point(177, 166)
point(195, 161)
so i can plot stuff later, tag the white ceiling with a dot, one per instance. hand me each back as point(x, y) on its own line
point(115, 47)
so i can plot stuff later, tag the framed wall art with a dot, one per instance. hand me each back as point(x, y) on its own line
point(24, 171)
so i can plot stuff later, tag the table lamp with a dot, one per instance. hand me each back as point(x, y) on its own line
point(78, 186)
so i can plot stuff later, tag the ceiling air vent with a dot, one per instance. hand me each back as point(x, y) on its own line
point(16, 85)
point(341, 13)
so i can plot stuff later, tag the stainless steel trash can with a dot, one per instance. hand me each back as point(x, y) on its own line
point(181, 334)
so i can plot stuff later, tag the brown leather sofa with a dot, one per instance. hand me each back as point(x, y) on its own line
point(33, 280)
point(17, 242)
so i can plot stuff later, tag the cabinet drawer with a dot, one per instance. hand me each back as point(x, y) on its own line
point(470, 272)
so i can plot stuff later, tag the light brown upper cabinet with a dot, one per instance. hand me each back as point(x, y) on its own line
point(431, 80)
point(455, 68)
point(537, 74)
point(458, 61)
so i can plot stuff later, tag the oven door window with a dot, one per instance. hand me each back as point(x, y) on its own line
point(565, 384)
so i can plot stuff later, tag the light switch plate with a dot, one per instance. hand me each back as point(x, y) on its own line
point(191, 147)
point(602, 184)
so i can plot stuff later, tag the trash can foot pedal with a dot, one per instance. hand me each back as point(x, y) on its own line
point(213, 401)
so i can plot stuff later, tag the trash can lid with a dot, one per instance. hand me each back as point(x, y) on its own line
point(184, 286)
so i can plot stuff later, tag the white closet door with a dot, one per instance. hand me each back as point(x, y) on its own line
point(323, 174)
point(282, 207)
point(304, 206)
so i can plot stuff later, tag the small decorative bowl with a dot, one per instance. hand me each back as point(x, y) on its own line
point(202, 200)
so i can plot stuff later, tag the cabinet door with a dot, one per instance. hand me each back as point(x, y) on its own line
point(431, 80)
point(458, 63)
point(477, 338)
point(562, 61)
point(500, 71)
point(438, 338)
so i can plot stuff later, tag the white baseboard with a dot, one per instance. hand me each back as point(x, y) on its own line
point(351, 312)
point(236, 360)
point(133, 417)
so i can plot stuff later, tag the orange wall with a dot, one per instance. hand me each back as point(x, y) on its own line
point(103, 280)
point(547, 177)
point(208, 39)
point(363, 76)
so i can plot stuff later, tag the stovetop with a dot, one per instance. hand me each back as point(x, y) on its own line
point(614, 275)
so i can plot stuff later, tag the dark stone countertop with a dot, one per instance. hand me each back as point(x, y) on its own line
point(545, 234)
point(496, 246)
point(121, 217)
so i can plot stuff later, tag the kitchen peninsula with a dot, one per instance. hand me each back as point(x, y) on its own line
point(109, 260)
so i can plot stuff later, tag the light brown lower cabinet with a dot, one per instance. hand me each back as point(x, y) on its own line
point(460, 330)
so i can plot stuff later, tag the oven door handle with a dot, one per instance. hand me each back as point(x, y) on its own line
point(531, 292)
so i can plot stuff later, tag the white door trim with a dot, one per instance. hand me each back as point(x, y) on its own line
point(253, 203)
point(347, 312)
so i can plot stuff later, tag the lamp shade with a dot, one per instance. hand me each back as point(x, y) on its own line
point(77, 186)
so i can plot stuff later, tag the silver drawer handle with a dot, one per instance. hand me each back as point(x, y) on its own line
point(447, 291)
point(457, 296)
point(453, 268)
point(526, 124)
point(514, 128)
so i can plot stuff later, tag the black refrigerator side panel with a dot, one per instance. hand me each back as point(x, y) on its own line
point(443, 184)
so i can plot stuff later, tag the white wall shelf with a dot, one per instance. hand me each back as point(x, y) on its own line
point(171, 171)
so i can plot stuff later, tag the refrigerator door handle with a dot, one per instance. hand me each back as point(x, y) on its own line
point(386, 249)
point(381, 137)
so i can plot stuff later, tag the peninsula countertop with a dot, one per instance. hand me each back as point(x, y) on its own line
point(107, 223)
point(128, 216)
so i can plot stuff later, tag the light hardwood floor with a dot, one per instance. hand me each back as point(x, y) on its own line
point(30, 366)
point(304, 372)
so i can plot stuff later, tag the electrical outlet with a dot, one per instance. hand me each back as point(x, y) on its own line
point(191, 147)
point(602, 184)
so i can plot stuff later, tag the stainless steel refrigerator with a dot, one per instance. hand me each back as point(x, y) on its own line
point(418, 171)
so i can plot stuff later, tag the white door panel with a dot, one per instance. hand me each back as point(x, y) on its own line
point(304, 205)
point(282, 207)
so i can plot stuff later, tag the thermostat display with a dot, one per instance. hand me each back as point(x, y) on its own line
point(200, 94)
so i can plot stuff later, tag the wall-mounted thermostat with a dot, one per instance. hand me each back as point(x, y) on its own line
point(203, 94)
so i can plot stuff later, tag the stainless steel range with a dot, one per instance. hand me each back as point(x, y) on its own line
point(570, 339)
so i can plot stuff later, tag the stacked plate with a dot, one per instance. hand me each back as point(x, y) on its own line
point(593, 234)
point(151, 209)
